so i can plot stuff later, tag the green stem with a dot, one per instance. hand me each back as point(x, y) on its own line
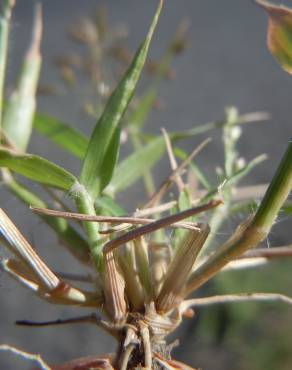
point(201, 129)
point(85, 205)
point(5, 16)
point(230, 157)
point(276, 193)
point(249, 234)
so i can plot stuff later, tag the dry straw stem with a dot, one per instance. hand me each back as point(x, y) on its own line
point(126, 356)
point(114, 289)
point(135, 291)
point(31, 271)
point(180, 268)
point(240, 192)
point(123, 220)
point(179, 182)
point(258, 257)
point(235, 298)
point(22, 250)
point(160, 255)
point(269, 253)
point(159, 224)
point(157, 209)
point(245, 263)
point(147, 346)
point(26, 356)
point(167, 182)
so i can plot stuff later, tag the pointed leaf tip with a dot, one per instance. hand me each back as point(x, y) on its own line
point(103, 147)
point(20, 108)
point(279, 33)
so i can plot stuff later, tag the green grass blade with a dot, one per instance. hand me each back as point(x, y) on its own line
point(234, 179)
point(110, 159)
point(37, 169)
point(277, 192)
point(19, 111)
point(95, 161)
point(238, 175)
point(134, 166)
point(201, 129)
point(5, 15)
point(61, 134)
point(67, 235)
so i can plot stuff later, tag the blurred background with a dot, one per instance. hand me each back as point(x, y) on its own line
point(225, 63)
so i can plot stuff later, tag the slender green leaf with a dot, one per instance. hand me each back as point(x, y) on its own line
point(135, 165)
point(279, 35)
point(238, 175)
point(139, 114)
point(277, 192)
point(37, 169)
point(61, 134)
point(19, 111)
point(96, 160)
point(111, 157)
point(233, 180)
point(67, 235)
point(5, 15)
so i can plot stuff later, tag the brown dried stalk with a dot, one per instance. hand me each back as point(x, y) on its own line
point(166, 183)
point(180, 268)
point(30, 270)
point(123, 220)
point(159, 224)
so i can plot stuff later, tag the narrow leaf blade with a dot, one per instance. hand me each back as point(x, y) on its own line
point(61, 134)
point(18, 115)
point(37, 169)
point(5, 15)
point(95, 161)
point(135, 165)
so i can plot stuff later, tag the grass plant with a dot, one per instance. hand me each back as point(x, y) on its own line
point(141, 280)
